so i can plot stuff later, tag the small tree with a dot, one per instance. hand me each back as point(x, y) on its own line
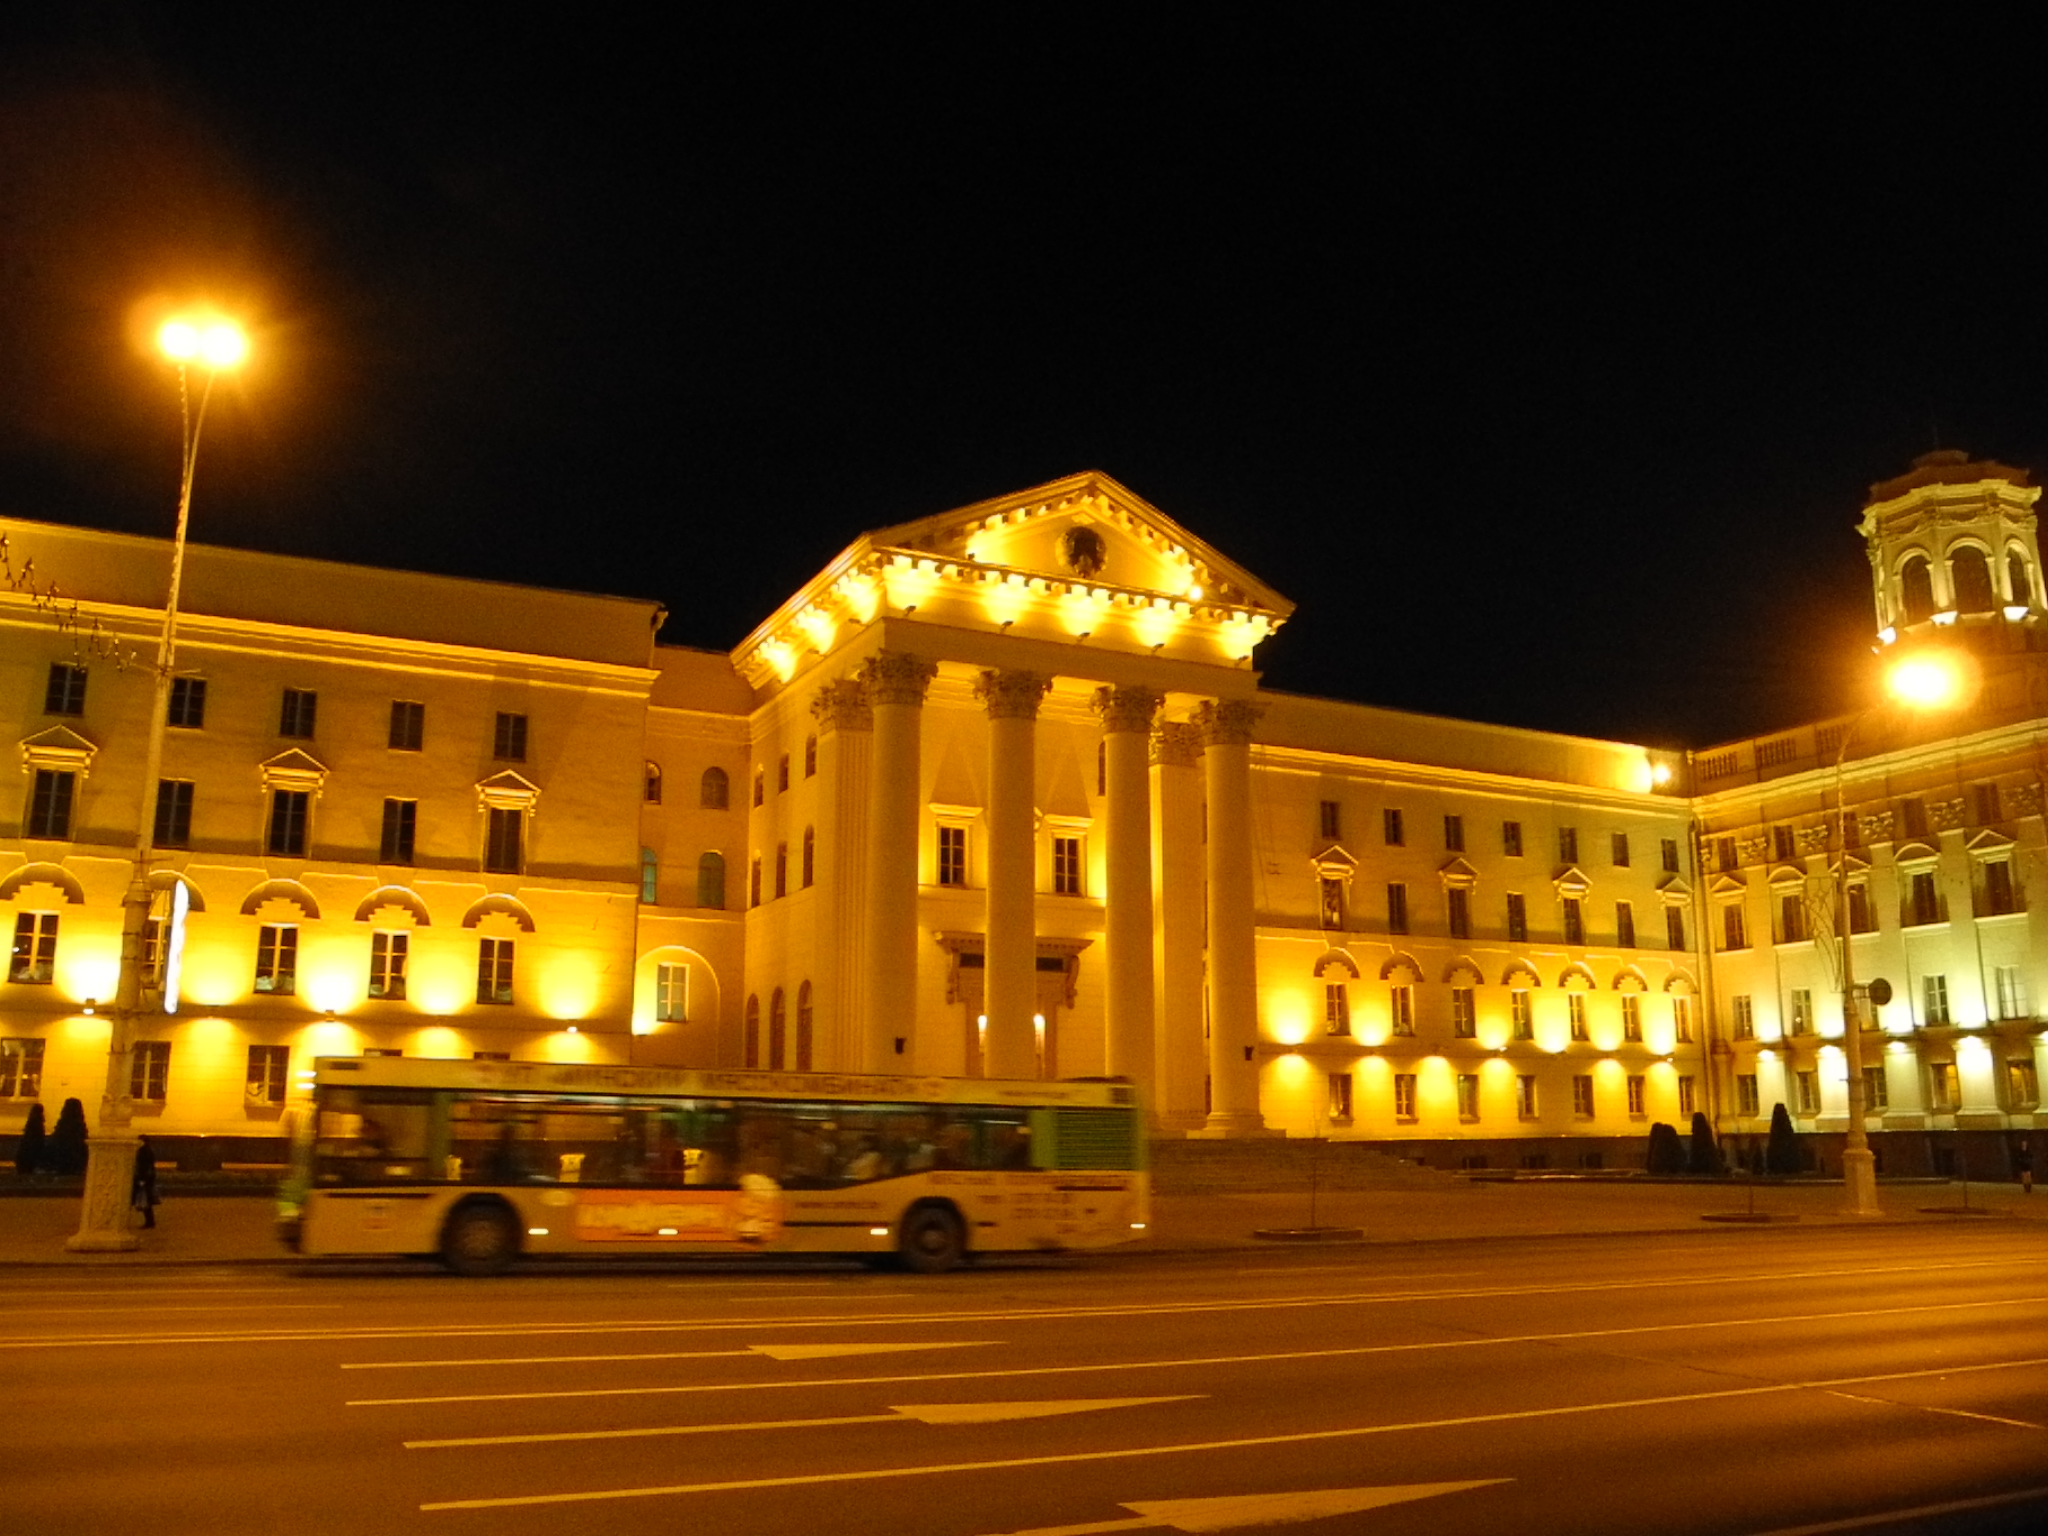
point(65, 1151)
point(1781, 1154)
point(30, 1146)
point(1706, 1156)
point(1667, 1151)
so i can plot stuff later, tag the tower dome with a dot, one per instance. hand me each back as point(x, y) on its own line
point(1953, 550)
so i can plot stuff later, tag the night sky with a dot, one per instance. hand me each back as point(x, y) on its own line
point(1545, 363)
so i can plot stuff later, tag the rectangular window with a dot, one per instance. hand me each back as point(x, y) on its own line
point(1468, 1096)
point(1781, 844)
point(64, 694)
point(1624, 925)
point(1066, 866)
point(1941, 1086)
point(1688, 1102)
point(1732, 934)
point(1331, 819)
point(1934, 992)
point(1637, 1098)
point(187, 710)
point(1336, 1008)
point(1632, 1016)
point(21, 1069)
point(1859, 909)
point(1876, 1095)
point(1390, 826)
point(1999, 895)
point(1913, 817)
point(1670, 855)
point(1791, 919)
point(1742, 1015)
point(754, 884)
point(1511, 839)
point(1574, 921)
point(1681, 1020)
point(173, 822)
point(1746, 1100)
point(1402, 1003)
point(671, 994)
point(277, 959)
point(1518, 919)
point(1984, 800)
point(1340, 1095)
point(1464, 1013)
point(952, 855)
point(1674, 927)
point(1567, 845)
point(1404, 1095)
point(1582, 1096)
point(408, 725)
point(650, 877)
point(1521, 1015)
point(400, 818)
point(1332, 903)
point(149, 1070)
point(267, 1074)
point(494, 971)
point(1459, 900)
point(1923, 900)
point(1620, 842)
point(1725, 859)
point(2012, 992)
point(1454, 834)
point(508, 740)
point(49, 804)
point(288, 811)
point(295, 714)
point(1525, 1096)
point(504, 833)
point(1806, 1090)
point(34, 958)
point(1575, 1007)
point(2022, 1084)
point(1397, 907)
point(388, 953)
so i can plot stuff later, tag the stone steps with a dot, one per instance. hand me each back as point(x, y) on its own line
point(1278, 1165)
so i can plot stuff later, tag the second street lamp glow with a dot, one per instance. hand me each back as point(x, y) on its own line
point(1930, 680)
point(210, 343)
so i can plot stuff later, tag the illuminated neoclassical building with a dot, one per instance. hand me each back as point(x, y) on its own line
point(997, 793)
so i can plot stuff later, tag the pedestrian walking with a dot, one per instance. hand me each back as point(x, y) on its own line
point(2025, 1158)
point(142, 1191)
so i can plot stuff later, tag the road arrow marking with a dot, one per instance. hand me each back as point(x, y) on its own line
point(1228, 1514)
point(830, 1351)
point(995, 1413)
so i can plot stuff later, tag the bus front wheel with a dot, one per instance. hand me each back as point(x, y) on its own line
point(931, 1240)
point(480, 1240)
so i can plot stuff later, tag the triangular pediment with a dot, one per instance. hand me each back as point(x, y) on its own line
point(1571, 881)
point(1458, 872)
point(1726, 885)
point(58, 747)
point(1333, 862)
point(508, 791)
point(1988, 844)
point(1673, 889)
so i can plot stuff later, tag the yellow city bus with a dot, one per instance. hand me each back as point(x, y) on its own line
point(483, 1161)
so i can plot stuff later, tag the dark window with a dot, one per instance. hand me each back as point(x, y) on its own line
point(778, 1030)
point(387, 965)
point(1670, 855)
point(781, 870)
point(1332, 819)
point(1454, 834)
point(408, 725)
point(711, 790)
point(751, 1042)
point(1913, 817)
point(1574, 921)
point(711, 881)
point(288, 809)
point(1725, 858)
point(502, 838)
point(1460, 903)
point(810, 765)
point(1674, 928)
point(1624, 925)
point(1732, 934)
point(1390, 826)
point(754, 884)
point(400, 818)
point(760, 786)
point(653, 792)
point(1985, 799)
point(49, 804)
point(650, 876)
point(1511, 839)
point(1518, 919)
point(277, 960)
point(1620, 841)
point(1397, 907)
point(2019, 580)
point(508, 740)
point(1781, 844)
point(1859, 909)
point(65, 693)
point(782, 774)
point(1916, 590)
point(1567, 845)
point(1791, 919)
point(810, 856)
point(173, 827)
point(1998, 889)
point(1971, 573)
point(1333, 903)
point(494, 971)
point(21, 1069)
point(187, 708)
point(1925, 900)
point(295, 715)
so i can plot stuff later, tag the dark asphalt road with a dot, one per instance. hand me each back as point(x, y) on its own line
point(1767, 1381)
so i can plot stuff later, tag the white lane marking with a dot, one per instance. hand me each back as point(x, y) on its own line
point(772, 1351)
point(1340, 1352)
point(1250, 1442)
point(924, 1318)
point(1231, 1512)
point(210, 1306)
point(1924, 1512)
point(829, 1351)
point(143, 1287)
point(925, 1413)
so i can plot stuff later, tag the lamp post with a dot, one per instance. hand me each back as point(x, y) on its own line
point(211, 344)
point(1928, 680)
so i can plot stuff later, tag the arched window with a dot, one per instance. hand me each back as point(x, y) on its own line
point(810, 855)
point(754, 884)
point(711, 794)
point(1916, 590)
point(1971, 573)
point(803, 1027)
point(810, 756)
point(753, 1035)
point(650, 877)
point(654, 783)
point(711, 881)
point(2019, 580)
point(781, 870)
point(777, 1030)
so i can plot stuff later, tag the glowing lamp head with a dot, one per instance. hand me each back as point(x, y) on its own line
point(211, 343)
point(1927, 680)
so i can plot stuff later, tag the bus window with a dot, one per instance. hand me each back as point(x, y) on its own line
point(372, 1137)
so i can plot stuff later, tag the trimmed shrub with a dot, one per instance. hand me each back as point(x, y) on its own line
point(65, 1150)
point(1781, 1154)
point(1667, 1151)
point(29, 1149)
point(1706, 1156)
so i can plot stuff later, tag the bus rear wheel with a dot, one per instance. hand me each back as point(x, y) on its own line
point(480, 1240)
point(931, 1240)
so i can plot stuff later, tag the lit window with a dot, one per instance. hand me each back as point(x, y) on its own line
point(1522, 1014)
point(1066, 866)
point(1941, 1085)
point(494, 971)
point(671, 993)
point(34, 958)
point(1582, 1096)
point(1404, 1095)
point(650, 877)
point(1402, 1006)
point(267, 1073)
point(21, 1069)
point(149, 1070)
point(277, 959)
point(1631, 1016)
point(952, 855)
point(1340, 1095)
point(387, 965)
point(1336, 1008)
point(2022, 1084)
point(1575, 1006)
point(1464, 1013)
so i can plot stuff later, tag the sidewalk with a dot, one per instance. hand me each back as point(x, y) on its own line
point(236, 1229)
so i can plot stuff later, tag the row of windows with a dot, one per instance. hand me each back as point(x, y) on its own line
point(781, 1049)
point(1521, 1013)
point(1394, 832)
point(1909, 820)
point(1969, 581)
point(781, 774)
point(2022, 1089)
point(1458, 915)
point(2009, 996)
point(1405, 1101)
point(149, 1071)
point(1921, 902)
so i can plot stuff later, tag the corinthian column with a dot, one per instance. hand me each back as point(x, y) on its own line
point(1226, 727)
point(1011, 945)
point(846, 729)
point(1127, 889)
point(895, 684)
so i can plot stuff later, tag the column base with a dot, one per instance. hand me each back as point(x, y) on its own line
point(1232, 1125)
point(103, 1218)
point(1859, 1182)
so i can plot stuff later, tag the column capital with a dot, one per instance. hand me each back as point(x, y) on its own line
point(1227, 722)
point(1127, 709)
point(842, 706)
point(1012, 695)
point(1176, 745)
point(897, 677)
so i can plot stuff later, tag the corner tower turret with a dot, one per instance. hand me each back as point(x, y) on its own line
point(1953, 552)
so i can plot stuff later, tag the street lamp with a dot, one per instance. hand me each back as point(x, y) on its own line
point(1923, 680)
point(212, 344)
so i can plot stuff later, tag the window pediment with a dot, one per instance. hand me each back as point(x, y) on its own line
point(1783, 876)
point(1464, 972)
point(1630, 980)
point(1333, 863)
point(1571, 881)
point(1522, 971)
point(1674, 891)
point(1990, 845)
point(1727, 887)
point(1912, 854)
point(1340, 958)
point(1401, 970)
point(294, 769)
point(59, 748)
point(1458, 873)
point(1576, 978)
point(507, 791)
